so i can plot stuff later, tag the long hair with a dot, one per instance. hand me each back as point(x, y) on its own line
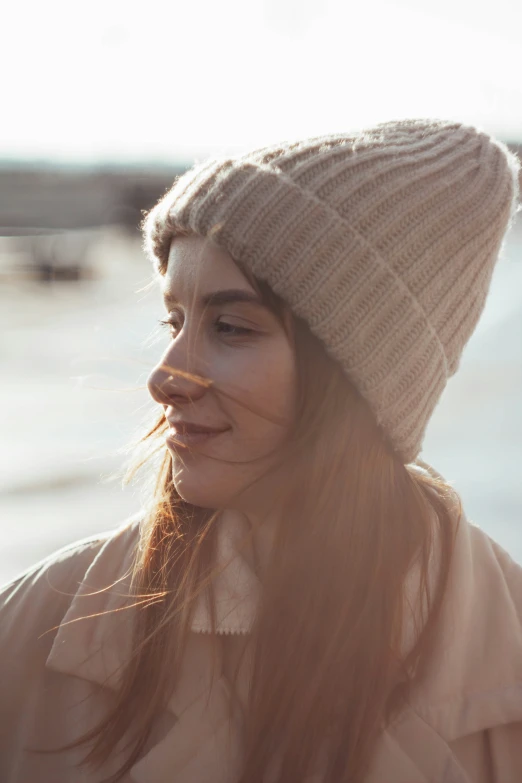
point(329, 667)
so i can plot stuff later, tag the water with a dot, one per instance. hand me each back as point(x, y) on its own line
point(73, 391)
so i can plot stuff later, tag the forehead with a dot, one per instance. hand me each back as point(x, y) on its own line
point(198, 264)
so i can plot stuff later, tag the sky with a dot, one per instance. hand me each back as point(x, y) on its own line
point(120, 80)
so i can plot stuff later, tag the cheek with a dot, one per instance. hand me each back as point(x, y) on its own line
point(277, 387)
point(268, 386)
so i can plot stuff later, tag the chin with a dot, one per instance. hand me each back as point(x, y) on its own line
point(193, 490)
point(211, 485)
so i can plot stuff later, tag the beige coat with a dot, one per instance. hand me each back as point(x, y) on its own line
point(464, 724)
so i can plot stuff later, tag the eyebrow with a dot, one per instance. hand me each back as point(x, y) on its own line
point(227, 296)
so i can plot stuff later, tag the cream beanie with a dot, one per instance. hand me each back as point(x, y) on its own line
point(384, 241)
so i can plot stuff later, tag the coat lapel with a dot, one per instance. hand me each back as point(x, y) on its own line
point(410, 751)
point(206, 741)
point(95, 635)
point(95, 638)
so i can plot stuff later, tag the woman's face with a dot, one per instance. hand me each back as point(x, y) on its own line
point(239, 345)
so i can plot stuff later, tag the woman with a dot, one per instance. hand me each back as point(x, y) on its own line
point(302, 598)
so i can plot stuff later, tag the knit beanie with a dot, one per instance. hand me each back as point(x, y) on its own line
point(384, 241)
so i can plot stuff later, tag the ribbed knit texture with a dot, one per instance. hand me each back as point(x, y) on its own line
point(384, 241)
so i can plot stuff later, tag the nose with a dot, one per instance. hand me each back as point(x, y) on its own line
point(171, 381)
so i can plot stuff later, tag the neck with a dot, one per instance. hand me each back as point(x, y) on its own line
point(263, 529)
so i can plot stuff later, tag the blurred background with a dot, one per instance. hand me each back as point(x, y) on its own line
point(103, 105)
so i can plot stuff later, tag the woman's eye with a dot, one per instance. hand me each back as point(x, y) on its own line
point(221, 327)
point(168, 323)
point(231, 329)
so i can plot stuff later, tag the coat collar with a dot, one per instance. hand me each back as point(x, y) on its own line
point(473, 681)
point(98, 650)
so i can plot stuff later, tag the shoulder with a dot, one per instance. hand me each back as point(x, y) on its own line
point(496, 576)
point(473, 679)
point(40, 596)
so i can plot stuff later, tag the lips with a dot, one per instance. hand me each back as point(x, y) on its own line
point(177, 438)
point(190, 433)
